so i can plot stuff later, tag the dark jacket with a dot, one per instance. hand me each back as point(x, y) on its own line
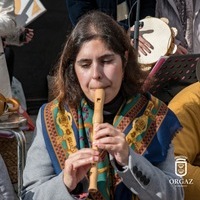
point(77, 8)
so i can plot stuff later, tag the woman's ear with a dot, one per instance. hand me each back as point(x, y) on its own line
point(126, 57)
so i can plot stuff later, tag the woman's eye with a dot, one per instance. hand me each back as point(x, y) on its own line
point(85, 65)
point(107, 61)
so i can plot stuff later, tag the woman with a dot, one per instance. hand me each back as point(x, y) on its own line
point(135, 158)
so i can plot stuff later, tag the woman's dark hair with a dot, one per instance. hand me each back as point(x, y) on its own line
point(96, 25)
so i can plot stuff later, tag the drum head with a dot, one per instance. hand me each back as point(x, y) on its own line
point(159, 34)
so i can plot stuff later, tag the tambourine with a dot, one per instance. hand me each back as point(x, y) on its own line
point(158, 33)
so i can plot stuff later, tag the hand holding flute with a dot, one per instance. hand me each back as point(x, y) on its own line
point(97, 118)
point(79, 163)
point(105, 137)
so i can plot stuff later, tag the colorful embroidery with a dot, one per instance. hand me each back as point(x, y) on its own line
point(67, 139)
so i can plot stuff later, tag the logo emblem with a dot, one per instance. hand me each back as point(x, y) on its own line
point(180, 166)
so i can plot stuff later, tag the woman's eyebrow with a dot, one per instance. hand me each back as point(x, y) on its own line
point(84, 60)
point(107, 55)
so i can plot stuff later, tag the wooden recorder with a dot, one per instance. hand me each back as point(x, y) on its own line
point(99, 99)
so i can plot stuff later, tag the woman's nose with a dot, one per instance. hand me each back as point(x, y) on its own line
point(97, 72)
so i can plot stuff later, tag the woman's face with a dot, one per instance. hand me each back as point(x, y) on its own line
point(98, 67)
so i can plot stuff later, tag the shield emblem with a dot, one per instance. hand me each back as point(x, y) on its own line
point(180, 166)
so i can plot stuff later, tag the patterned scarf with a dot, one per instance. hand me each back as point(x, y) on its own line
point(141, 118)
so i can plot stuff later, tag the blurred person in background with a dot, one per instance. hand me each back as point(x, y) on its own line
point(123, 11)
point(10, 35)
point(6, 188)
point(186, 105)
point(184, 15)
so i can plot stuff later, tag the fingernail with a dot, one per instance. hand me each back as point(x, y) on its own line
point(95, 158)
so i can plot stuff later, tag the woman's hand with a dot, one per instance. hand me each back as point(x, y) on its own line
point(144, 46)
point(26, 35)
point(181, 50)
point(112, 140)
point(77, 166)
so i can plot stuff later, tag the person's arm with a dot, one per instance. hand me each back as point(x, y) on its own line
point(39, 178)
point(148, 181)
point(7, 17)
point(20, 37)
